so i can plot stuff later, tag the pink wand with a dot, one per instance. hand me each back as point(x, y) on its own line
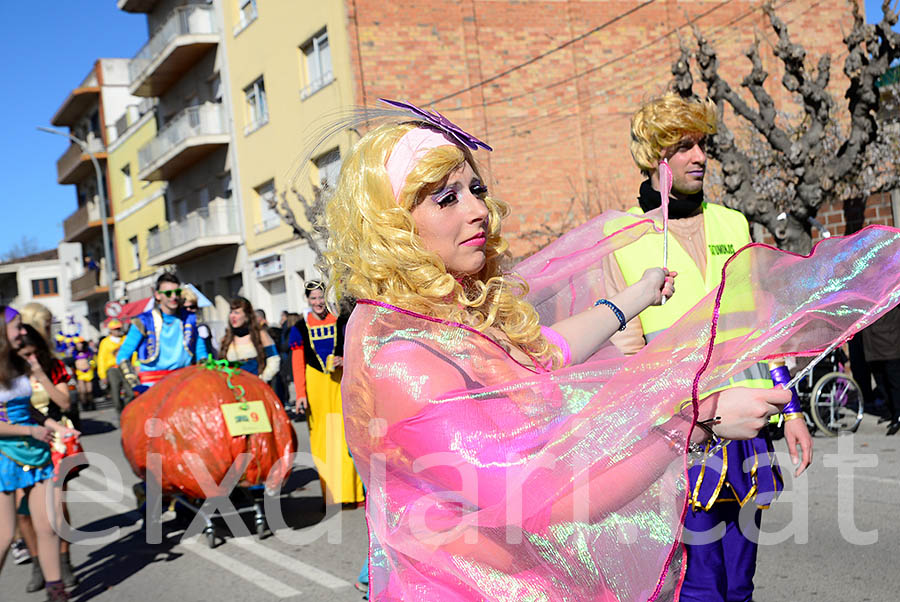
point(665, 187)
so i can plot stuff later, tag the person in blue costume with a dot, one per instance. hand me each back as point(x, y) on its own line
point(165, 337)
point(247, 345)
point(743, 477)
point(25, 461)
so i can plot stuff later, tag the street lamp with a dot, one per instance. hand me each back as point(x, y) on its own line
point(107, 250)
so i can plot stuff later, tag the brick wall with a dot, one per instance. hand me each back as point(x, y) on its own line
point(840, 220)
point(559, 124)
point(847, 220)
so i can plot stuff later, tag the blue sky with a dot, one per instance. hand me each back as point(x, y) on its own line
point(48, 47)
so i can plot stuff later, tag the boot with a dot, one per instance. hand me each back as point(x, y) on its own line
point(68, 577)
point(37, 578)
point(56, 592)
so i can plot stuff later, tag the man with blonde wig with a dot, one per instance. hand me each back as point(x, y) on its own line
point(702, 236)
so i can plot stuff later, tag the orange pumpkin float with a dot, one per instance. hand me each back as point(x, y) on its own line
point(180, 419)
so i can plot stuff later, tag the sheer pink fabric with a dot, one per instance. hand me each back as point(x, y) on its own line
point(488, 480)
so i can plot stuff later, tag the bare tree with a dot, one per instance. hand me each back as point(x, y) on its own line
point(26, 246)
point(780, 170)
point(312, 231)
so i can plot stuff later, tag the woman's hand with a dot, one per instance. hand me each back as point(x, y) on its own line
point(744, 412)
point(659, 284)
point(36, 370)
point(65, 431)
point(41, 433)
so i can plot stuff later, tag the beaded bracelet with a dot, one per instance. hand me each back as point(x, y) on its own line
point(616, 311)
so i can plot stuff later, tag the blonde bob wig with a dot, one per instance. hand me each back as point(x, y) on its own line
point(663, 122)
point(373, 251)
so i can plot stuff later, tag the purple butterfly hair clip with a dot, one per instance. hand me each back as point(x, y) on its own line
point(442, 123)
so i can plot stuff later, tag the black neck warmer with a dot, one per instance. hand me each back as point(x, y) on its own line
point(240, 331)
point(649, 200)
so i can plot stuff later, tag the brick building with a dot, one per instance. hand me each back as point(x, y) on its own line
point(551, 84)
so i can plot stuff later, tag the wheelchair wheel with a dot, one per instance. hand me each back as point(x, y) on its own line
point(836, 404)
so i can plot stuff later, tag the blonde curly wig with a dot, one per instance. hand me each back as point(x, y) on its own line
point(663, 122)
point(373, 251)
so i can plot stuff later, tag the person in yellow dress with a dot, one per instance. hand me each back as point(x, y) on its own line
point(317, 343)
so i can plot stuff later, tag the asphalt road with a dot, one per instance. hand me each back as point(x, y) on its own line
point(833, 536)
point(124, 567)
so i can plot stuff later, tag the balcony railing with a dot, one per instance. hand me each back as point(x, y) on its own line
point(199, 232)
point(89, 284)
point(75, 165)
point(193, 133)
point(79, 226)
point(179, 43)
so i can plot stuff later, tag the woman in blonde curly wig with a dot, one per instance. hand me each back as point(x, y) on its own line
point(377, 255)
point(453, 397)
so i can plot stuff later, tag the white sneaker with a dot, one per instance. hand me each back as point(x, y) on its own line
point(20, 552)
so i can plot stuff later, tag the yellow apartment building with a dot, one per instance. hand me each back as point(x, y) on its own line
point(139, 206)
point(289, 67)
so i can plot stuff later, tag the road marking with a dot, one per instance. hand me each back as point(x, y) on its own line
point(298, 567)
point(867, 478)
point(111, 486)
point(307, 571)
point(242, 570)
point(98, 498)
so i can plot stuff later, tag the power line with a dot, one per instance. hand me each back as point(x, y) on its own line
point(506, 132)
point(592, 69)
point(543, 55)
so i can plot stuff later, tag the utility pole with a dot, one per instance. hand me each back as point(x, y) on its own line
point(107, 249)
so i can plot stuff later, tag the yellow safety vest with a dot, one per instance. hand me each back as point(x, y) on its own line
point(726, 232)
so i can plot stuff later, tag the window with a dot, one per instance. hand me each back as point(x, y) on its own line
point(44, 287)
point(257, 109)
point(226, 185)
point(128, 185)
point(318, 64)
point(268, 216)
point(329, 166)
point(179, 209)
point(246, 14)
point(135, 253)
point(215, 89)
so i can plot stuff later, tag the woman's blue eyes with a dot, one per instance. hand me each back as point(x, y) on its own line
point(476, 188)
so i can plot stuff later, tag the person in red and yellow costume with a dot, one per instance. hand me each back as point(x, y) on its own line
point(317, 343)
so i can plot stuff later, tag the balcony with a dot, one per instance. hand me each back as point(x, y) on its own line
point(85, 223)
point(75, 165)
point(188, 34)
point(88, 285)
point(200, 232)
point(187, 138)
point(75, 105)
point(136, 6)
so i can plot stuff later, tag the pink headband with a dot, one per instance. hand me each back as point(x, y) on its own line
point(409, 150)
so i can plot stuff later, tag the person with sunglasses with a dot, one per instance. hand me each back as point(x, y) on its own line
point(165, 337)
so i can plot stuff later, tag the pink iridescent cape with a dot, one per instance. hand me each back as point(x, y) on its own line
point(488, 480)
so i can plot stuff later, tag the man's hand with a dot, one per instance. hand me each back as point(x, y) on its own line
point(338, 361)
point(302, 405)
point(796, 434)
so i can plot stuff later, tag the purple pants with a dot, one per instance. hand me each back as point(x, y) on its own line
point(721, 570)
